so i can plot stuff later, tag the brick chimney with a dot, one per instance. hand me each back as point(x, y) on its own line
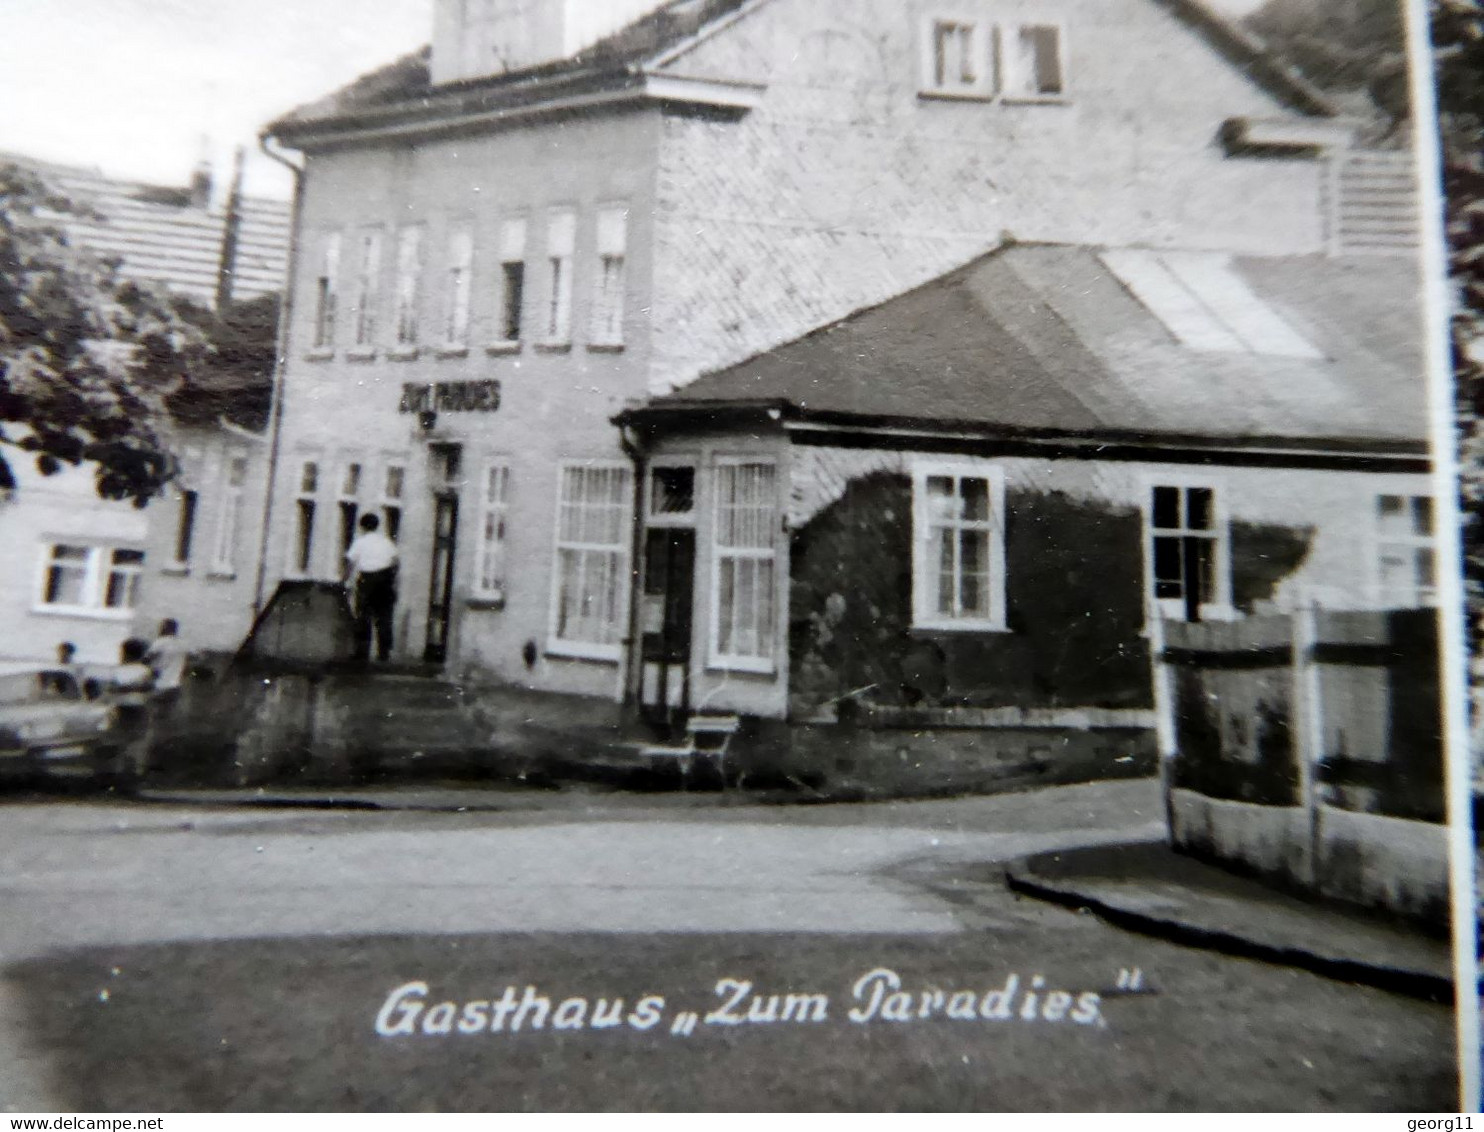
point(201, 184)
point(476, 38)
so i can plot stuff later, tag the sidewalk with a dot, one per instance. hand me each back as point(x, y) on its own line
point(451, 797)
point(1151, 889)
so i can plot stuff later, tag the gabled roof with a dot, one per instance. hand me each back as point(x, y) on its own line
point(403, 92)
point(1048, 340)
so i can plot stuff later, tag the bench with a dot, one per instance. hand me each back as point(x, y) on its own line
point(706, 737)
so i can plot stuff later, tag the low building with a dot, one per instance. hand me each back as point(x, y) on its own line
point(931, 544)
point(78, 568)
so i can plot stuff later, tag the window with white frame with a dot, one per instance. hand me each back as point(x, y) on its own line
point(957, 57)
point(326, 286)
point(121, 584)
point(744, 615)
point(349, 504)
point(591, 554)
point(368, 288)
point(460, 266)
point(1187, 551)
point(409, 284)
point(187, 503)
point(1405, 552)
point(1035, 61)
point(489, 577)
point(90, 579)
point(958, 574)
point(561, 241)
point(392, 486)
point(301, 553)
point(672, 494)
point(229, 521)
point(608, 285)
point(512, 280)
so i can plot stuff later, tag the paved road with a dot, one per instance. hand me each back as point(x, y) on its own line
point(79, 874)
point(86, 874)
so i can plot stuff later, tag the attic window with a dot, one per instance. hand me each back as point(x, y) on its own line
point(1034, 62)
point(957, 61)
point(1201, 300)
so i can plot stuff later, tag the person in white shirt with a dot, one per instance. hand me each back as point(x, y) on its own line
point(167, 657)
point(371, 572)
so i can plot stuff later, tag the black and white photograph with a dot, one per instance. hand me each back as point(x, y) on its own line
point(739, 555)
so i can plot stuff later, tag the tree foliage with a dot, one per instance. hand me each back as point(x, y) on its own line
point(96, 369)
point(1342, 46)
point(1458, 43)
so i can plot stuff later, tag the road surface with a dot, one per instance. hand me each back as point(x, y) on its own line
point(81, 875)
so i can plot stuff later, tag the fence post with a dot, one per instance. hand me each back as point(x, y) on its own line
point(1164, 717)
point(1308, 725)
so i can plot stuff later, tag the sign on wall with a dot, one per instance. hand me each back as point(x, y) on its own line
point(451, 397)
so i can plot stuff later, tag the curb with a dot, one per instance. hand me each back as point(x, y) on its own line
point(1397, 980)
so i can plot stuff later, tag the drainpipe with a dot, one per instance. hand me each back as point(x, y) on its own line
point(627, 685)
point(280, 367)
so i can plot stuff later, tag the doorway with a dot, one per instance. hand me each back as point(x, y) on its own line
point(669, 582)
point(440, 587)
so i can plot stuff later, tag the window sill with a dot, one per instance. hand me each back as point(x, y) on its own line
point(446, 352)
point(490, 604)
point(605, 347)
point(573, 650)
point(364, 355)
point(82, 612)
point(404, 354)
point(964, 626)
point(499, 349)
point(750, 666)
point(553, 347)
point(1035, 100)
point(221, 576)
point(319, 355)
point(175, 571)
point(956, 95)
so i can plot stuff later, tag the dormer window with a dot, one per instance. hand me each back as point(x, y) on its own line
point(1034, 64)
point(958, 61)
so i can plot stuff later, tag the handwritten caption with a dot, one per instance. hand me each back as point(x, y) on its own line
point(877, 997)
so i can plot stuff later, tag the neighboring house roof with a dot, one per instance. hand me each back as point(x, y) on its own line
point(1038, 339)
point(159, 234)
point(403, 93)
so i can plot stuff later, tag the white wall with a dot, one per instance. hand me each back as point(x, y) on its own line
point(41, 511)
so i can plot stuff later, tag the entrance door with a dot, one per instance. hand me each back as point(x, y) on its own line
point(669, 577)
point(440, 589)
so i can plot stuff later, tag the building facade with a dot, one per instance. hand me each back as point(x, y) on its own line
point(504, 242)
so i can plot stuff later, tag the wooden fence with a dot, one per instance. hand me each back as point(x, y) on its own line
point(1308, 748)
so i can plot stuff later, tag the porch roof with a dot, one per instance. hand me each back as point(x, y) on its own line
point(1048, 339)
